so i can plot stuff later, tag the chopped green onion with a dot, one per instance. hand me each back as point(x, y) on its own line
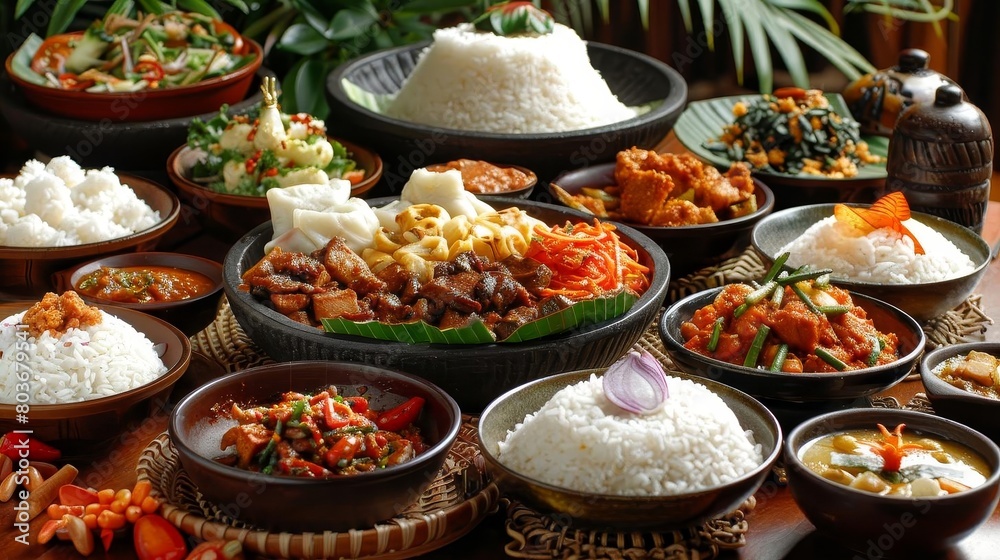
point(754, 297)
point(805, 299)
point(779, 358)
point(829, 358)
point(297, 410)
point(796, 277)
point(876, 350)
point(265, 455)
point(834, 309)
point(756, 345)
point(776, 267)
point(713, 341)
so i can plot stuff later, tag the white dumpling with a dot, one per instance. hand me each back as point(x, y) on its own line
point(302, 153)
point(237, 136)
point(353, 220)
point(306, 176)
point(445, 190)
point(66, 169)
point(284, 201)
point(49, 198)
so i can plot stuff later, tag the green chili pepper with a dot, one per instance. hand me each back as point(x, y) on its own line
point(797, 276)
point(834, 309)
point(756, 345)
point(297, 410)
point(829, 358)
point(713, 341)
point(776, 267)
point(754, 297)
point(779, 358)
point(265, 455)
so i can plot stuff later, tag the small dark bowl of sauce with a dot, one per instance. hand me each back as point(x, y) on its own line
point(491, 180)
point(183, 290)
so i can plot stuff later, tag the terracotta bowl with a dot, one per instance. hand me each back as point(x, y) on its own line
point(688, 247)
point(84, 430)
point(27, 271)
point(810, 389)
point(924, 300)
point(604, 511)
point(291, 504)
point(474, 374)
point(189, 315)
point(636, 79)
point(233, 215)
point(879, 526)
point(202, 97)
point(975, 411)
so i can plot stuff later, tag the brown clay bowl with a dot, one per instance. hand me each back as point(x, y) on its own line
point(189, 315)
point(233, 215)
point(83, 430)
point(27, 271)
point(890, 526)
point(202, 97)
point(292, 504)
point(975, 411)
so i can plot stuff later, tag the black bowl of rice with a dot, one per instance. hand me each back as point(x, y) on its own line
point(84, 387)
point(925, 286)
point(534, 101)
point(560, 446)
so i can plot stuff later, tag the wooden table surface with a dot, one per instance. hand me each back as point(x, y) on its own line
point(777, 527)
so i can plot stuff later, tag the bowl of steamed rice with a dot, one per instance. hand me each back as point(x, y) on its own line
point(85, 372)
point(564, 445)
point(883, 263)
point(550, 102)
point(56, 215)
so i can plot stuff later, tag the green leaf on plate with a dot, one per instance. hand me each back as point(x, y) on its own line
point(21, 63)
point(375, 102)
point(577, 315)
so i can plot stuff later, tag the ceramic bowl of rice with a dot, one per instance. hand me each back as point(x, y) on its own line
point(880, 265)
point(560, 446)
point(55, 215)
point(550, 103)
point(82, 386)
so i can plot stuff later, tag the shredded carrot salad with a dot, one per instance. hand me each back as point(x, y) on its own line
point(587, 261)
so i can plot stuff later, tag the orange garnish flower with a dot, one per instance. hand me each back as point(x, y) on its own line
point(887, 212)
point(892, 448)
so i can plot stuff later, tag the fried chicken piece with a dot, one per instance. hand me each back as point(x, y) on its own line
point(58, 314)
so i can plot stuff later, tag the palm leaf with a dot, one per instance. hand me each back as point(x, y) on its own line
point(784, 42)
point(21, 7)
point(760, 48)
point(730, 10)
point(63, 15)
point(707, 8)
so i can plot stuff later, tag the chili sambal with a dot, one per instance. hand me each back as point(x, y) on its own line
point(144, 284)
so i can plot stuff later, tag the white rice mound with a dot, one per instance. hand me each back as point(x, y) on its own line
point(101, 360)
point(60, 204)
point(478, 81)
point(881, 256)
point(581, 441)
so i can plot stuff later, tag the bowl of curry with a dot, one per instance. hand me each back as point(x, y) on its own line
point(183, 290)
point(491, 181)
point(962, 381)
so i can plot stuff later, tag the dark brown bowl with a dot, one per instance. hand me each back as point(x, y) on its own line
point(922, 301)
point(189, 315)
point(184, 101)
point(807, 388)
point(975, 411)
point(280, 503)
point(890, 526)
point(27, 271)
point(516, 194)
point(84, 430)
point(233, 215)
point(474, 374)
point(636, 79)
point(603, 511)
point(688, 247)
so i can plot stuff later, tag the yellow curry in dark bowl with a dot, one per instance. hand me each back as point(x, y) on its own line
point(183, 290)
point(962, 382)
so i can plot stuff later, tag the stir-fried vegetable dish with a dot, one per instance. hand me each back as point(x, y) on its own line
point(251, 153)
point(976, 372)
point(792, 323)
point(322, 435)
point(884, 462)
point(794, 131)
point(122, 54)
point(143, 284)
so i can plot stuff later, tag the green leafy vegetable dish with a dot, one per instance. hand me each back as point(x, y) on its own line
point(122, 54)
point(251, 153)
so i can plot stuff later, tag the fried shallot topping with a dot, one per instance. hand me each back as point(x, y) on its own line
point(57, 314)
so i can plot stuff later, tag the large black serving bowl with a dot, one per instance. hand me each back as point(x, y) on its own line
point(473, 374)
point(636, 79)
point(811, 390)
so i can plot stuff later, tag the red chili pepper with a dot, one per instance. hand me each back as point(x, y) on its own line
point(251, 163)
point(397, 418)
point(335, 416)
point(793, 92)
point(301, 466)
point(149, 69)
point(71, 82)
point(23, 446)
point(358, 404)
point(344, 450)
point(73, 495)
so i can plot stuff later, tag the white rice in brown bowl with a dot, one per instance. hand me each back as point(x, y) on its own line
point(580, 440)
point(79, 364)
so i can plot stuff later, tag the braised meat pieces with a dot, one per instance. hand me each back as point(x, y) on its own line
point(336, 282)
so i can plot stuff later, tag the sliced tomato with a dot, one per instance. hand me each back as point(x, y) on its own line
point(52, 54)
point(156, 539)
point(355, 176)
point(335, 414)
